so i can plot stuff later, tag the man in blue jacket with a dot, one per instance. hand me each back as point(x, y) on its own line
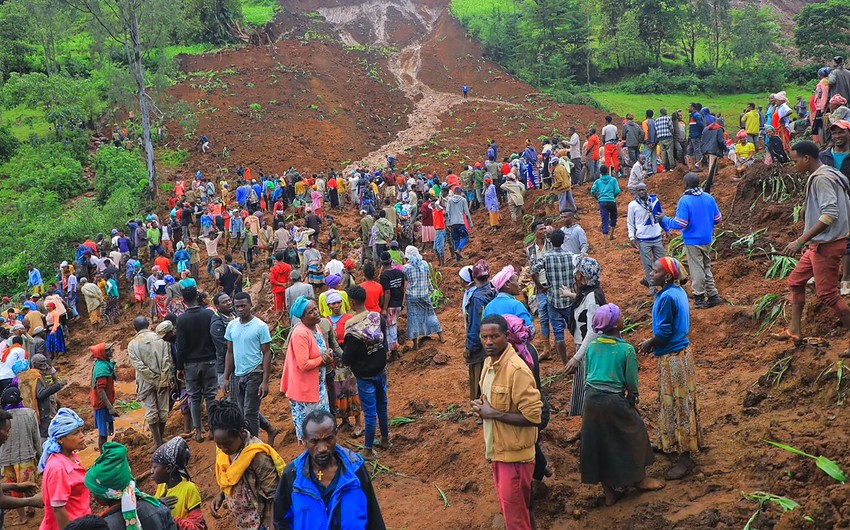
point(482, 295)
point(327, 487)
point(696, 216)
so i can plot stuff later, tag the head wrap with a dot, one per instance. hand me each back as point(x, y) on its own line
point(606, 318)
point(412, 253)
point(164, 327)
point(169, 279)
point(519, 335)
point(769, 128)
point(64, 423)
point(837, 99)
point(590, 270)
point(31, 305)
point(175, 453)
point(350, 265)
point(333, 296)
point(465, 273)
point(333, 280)
point(99, 351)
point(38, 359)
point(481, 268)
point(502, 277)
point(181, 245)
point(672, 267)
point(781, 96)
point(110, 478)
point(11, 397)
point(741, 134)
point(20, 366)
point(299, 307)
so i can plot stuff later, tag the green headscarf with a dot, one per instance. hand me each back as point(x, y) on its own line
point(110, 478)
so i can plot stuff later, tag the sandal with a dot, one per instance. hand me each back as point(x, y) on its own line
point(817, 342)
point(786, 335)
point(357, 433)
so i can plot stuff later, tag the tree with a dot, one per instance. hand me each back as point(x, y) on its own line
point(654, 24)
point(718, 23)
point(14, 49)
point(215, 21)
point(121, 22)
point(693, 20)
point(9, 144)
point(66, 101)
point(753, 33)
point(822, 30)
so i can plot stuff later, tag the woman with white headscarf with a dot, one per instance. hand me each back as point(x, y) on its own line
point(421, 317)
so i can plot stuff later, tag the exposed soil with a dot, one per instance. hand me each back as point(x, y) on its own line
point(408, 102)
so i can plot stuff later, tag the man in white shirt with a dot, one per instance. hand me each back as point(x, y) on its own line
point(14, 352)
point(576, 174)
point(609, 142)
point(334, 266)
point(575, 239)
point(645, 231)
point(638, 174)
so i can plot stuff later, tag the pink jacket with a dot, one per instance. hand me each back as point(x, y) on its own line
point(301, 369)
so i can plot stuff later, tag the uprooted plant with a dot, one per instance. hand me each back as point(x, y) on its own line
point(837, 368)
point(764, 498)
point(768, 309)
point(825, 464)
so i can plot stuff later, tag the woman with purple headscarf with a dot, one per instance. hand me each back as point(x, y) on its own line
point(333, 281)
point(615, 447)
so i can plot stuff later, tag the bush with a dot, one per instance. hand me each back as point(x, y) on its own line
point(570, 98)
point(173, 158)
point(116, 168)
point(48, 167)
point(659, 81)
point(9, 144)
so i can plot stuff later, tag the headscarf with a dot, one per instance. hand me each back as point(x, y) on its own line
point(11, 398)
point(606, 318)
point(741, 134)
point(333, 296)
point(20, 366)
point(672, 267)
point(781, 96)
point(519, 335)
point(64, 423)
point(180, 245)
point(110, 478)
point(412, 254)
point(30, 304)
point(481, 268)
point(175, 453)
point(590, 270)
point(465, 273)
point(99, 351)
point(837, 99)
point(299, 307)
point(502, 277)
point(769, 128)
point(350, 265)
point(164, 327)
point(333, 280)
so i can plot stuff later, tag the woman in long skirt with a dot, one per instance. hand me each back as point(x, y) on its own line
point(421, 317)
point(56, 337)
point(588, 298)
point(615, 447)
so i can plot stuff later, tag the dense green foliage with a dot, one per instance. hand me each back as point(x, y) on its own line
point(48, 168)
point(211, 21)
point(677, 45)
point(9, 144)
point(115, 169)
point(822, 30)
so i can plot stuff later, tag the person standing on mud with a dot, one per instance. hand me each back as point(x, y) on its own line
point(696, 216)
point(151, 358)
point(679, 429)
point(557, 264)
point(481, 295)
point(827, 222)
point(511, 416)
point(457, 215)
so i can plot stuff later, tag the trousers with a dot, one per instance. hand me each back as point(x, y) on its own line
point(699, 267)
point(513, 485)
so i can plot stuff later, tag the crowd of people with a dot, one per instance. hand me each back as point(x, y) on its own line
point(339, 293)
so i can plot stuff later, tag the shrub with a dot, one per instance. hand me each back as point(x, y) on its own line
point(116, 168)
point(9, 144)
point(173, 158)
point(47, 167)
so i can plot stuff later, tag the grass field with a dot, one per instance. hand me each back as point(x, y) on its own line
point(259, 12)
point(24, 121)
point(728, 104)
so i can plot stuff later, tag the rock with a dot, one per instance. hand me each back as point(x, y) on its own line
point(752, 411)
point(754, 398)
point(441, 358)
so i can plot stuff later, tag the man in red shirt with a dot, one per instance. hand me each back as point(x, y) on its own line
point(279, 278)
point(439, 218)
point(374, 290)
point(591, 154)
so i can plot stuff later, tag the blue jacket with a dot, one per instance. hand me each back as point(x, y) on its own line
point(671, 320)
point(478, 300)
point(299, 504)
point(505, 304)
point(696, 216)
point(605, 189)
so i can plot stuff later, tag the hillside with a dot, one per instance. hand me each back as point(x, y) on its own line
point(347, 82)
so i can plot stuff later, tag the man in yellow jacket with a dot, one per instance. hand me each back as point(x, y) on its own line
point(561, 184)
point(511, 407)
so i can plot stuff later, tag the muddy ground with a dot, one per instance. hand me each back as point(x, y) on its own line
point(326, 102)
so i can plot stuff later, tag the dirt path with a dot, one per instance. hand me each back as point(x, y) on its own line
point(429, 104)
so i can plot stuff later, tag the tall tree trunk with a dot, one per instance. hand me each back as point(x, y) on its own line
point(134, 58)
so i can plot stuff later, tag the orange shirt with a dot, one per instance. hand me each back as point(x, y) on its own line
point(163, 263)
point(593, 147)
point(374, 293)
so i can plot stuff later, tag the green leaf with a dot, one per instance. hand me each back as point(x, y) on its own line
point(831, 468)
point(789, 449)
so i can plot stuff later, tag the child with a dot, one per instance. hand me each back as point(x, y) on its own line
point(606, 189)
point(169, 471)
point(103, 392)
point(491, 201)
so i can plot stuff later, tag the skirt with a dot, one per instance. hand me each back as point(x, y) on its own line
point(421, 318)
point(615, 448)
point(315, 276)
point(96, 315)
point(495, 218)
point(113, 308)
point(18, 473)
point(56, 341)
point(300, 409)
point(428, 234)
point(577, 395)
point(140, 292)
point(347, 399)
point(679, 430)
point(160, 307)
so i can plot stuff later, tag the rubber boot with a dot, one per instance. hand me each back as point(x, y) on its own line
point(699, 302)
point(714, 300)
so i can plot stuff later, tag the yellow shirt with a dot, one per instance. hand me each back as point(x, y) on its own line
point(752, 122)
point(745, 151)
point(188, 497)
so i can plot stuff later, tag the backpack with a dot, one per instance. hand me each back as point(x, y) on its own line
point(252, 196)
